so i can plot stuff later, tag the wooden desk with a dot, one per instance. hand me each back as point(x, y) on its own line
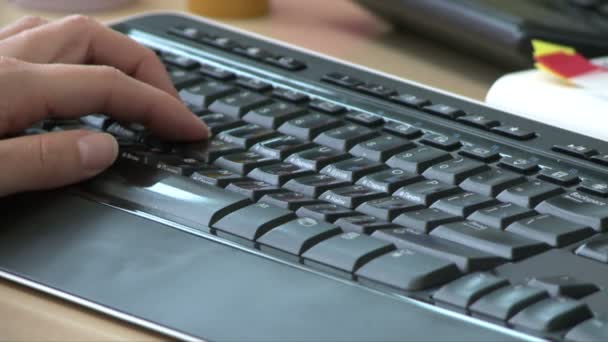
point(341, 30)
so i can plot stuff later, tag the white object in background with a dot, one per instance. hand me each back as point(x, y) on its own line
point(542, 97)
point(71, 5)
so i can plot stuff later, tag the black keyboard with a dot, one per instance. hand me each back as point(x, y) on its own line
point(380, 181)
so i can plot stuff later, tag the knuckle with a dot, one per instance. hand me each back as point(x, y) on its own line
point(32, 20)
point(9, 63)
point(79, 20)
point(109, 73)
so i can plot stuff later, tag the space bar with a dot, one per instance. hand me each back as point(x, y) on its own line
point(165, 195)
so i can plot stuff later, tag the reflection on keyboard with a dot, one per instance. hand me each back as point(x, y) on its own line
point(389, 203)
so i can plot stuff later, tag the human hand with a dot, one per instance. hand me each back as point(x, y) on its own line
point(70, 68)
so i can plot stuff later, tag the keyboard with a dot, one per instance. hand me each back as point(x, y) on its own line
point(389, 184)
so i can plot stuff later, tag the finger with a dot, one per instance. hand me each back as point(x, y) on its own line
point(21, 25)
point(32, 92)
point(52, 160)
point(81, 40)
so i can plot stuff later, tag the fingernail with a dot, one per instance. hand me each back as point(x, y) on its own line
point(97, 151)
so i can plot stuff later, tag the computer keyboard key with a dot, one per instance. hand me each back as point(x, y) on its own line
point(389, 180)
point(288, 200)
point(217, 122)
point(247, 135)
point(236, 105)
point(441, 141)
point(316, 158)
point(350, 196)
point(243, 162)
point(186, 32)
point(521, 165)
point(490, 240)
point(328, 212)
point(345, 137)
point(463, 203)
point(326, 107)
point(365, 119)
point(594, 329)
point(426, 192)
point(387, 208)
point(551, 314)
point(181, 78)
point(465, 291)
point(551, 230)
point(309, 126)
point(467, 259)
point(298, 235)
point(253, 189)
point(418, 159)
point(116, 129)
point(352, 169)
point(203, 94)
point(274, 114)
point(375, 90)
point(254, 84)
point(410, 100)
point(479, 121)
point(381, 148)
point(314, 185)
point(98, 121)
point(182, 62)
point(595, 249)
point(216, 72)
point(594, 187)
point(363, 224)
point(501, 215)
point(529, 194)
point(403, 130)
point(347, 251)
point(454, 171)
point(601, 159)
point(341, 79)
point(280, 147)
point(514, 132)
point(575, 150)
point(578, 207)
point(289, 95)
point(207, 150)
point(444, 111)
point(252, 52)
point(277, 174)
point(491, 182)
point(215, 176)
point(483, 154)
point(168, 196)
point(505, 302)
point(564, 285)
point(287, 63)
point(408, 270)
point(182, 167)
point(559, 177)
point(253, 221)
point(426, 219)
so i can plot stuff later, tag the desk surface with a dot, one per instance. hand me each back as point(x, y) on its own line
point(363, 39)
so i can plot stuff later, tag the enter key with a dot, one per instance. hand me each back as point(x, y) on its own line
point(578, 207)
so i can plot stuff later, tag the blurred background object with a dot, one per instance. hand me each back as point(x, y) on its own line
point(71, 5)
point(500, 31)
point(229, 8)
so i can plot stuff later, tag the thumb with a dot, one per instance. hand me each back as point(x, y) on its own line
point(52, 160)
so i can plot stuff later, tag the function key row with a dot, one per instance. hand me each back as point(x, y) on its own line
point(231, 45)
point(583, 152)
point(442, 110)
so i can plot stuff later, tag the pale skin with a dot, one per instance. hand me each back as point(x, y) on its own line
point(70, 68)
